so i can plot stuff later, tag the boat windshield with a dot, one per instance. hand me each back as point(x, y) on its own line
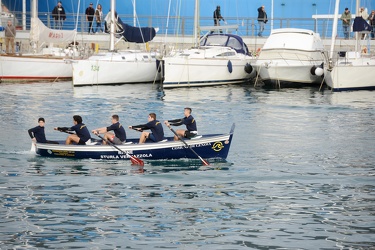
point(214, 41)
point(232, 41)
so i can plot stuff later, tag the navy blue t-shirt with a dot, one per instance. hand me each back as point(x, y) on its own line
point(190, 123)
point(38, 133)
point(119, 131)
point(156, 129)
point(81, 131)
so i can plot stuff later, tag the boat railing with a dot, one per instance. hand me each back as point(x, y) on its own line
point(247, 26)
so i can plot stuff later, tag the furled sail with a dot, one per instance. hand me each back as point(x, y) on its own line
point(130, 33)
point(40, 32)
point(360, 25)
point(137, 35)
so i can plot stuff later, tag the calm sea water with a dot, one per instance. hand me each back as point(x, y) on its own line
point(300, 173)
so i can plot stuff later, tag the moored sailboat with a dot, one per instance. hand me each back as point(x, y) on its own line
point(117, 67)
point(352, 70)
point(215, 59)
point(45, 65)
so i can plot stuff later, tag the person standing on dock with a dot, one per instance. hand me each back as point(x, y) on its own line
point(217, 17)
point(58, 14)
point(371, 18)
point(99, 18)
point(262, 20)
point(363, 13)
point(90, 12)
point(189, 121)
point(346, 18)
point(119, 136)
point(10, 34)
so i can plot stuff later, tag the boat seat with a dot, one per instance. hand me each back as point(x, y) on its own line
point(92, 143)
point(196, 137)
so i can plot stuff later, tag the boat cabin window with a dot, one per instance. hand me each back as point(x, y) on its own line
point(234, 43)
point(145, 57)
point(214, 40)
point(182, 54)
point(231, 53)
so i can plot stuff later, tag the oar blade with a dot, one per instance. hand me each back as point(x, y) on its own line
point(136, 161)
point(205, 163)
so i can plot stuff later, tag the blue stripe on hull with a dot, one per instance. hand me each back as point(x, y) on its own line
point(202, 83)
point(351, 89)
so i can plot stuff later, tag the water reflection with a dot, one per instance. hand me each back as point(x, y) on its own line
point(299, 172)
point(58, 166)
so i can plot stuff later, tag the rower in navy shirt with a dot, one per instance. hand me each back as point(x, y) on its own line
point(82, 135)
point(37, 134)
point(189, 121)
point(157, 132)
point(120, 135)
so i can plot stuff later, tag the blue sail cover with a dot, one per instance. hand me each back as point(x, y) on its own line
point(135, 34)
point(360, 24)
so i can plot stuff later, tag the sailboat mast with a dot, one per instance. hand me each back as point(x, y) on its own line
point(357, 4)
point(34, 15)
point(334, 28)
point(196, 23)
point(112, 26)
point(134, 14)
point(34, 9)
point(24, 15)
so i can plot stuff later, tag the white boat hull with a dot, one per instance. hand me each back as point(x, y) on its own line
point(290, 71)
point(34, 68)
point(354, 75)
point(291, 56)
point(180, 72)
point(115, 68)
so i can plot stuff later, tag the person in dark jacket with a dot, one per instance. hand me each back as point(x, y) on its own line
point(119, 136)
point(82, 134)
point(37, 133)
point(58, 14)
point(217, 17)
point(371, 18)
point(262, 19)
point(189, 121)
point(90, 12)
point(157, 132)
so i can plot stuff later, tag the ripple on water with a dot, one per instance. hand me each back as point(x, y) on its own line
point(299, 173)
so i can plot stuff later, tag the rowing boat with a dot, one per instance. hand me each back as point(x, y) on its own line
point(212, 146)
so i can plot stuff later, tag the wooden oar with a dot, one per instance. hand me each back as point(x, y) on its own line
point(65, 131)
point(187, 145)
point(133, 159)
